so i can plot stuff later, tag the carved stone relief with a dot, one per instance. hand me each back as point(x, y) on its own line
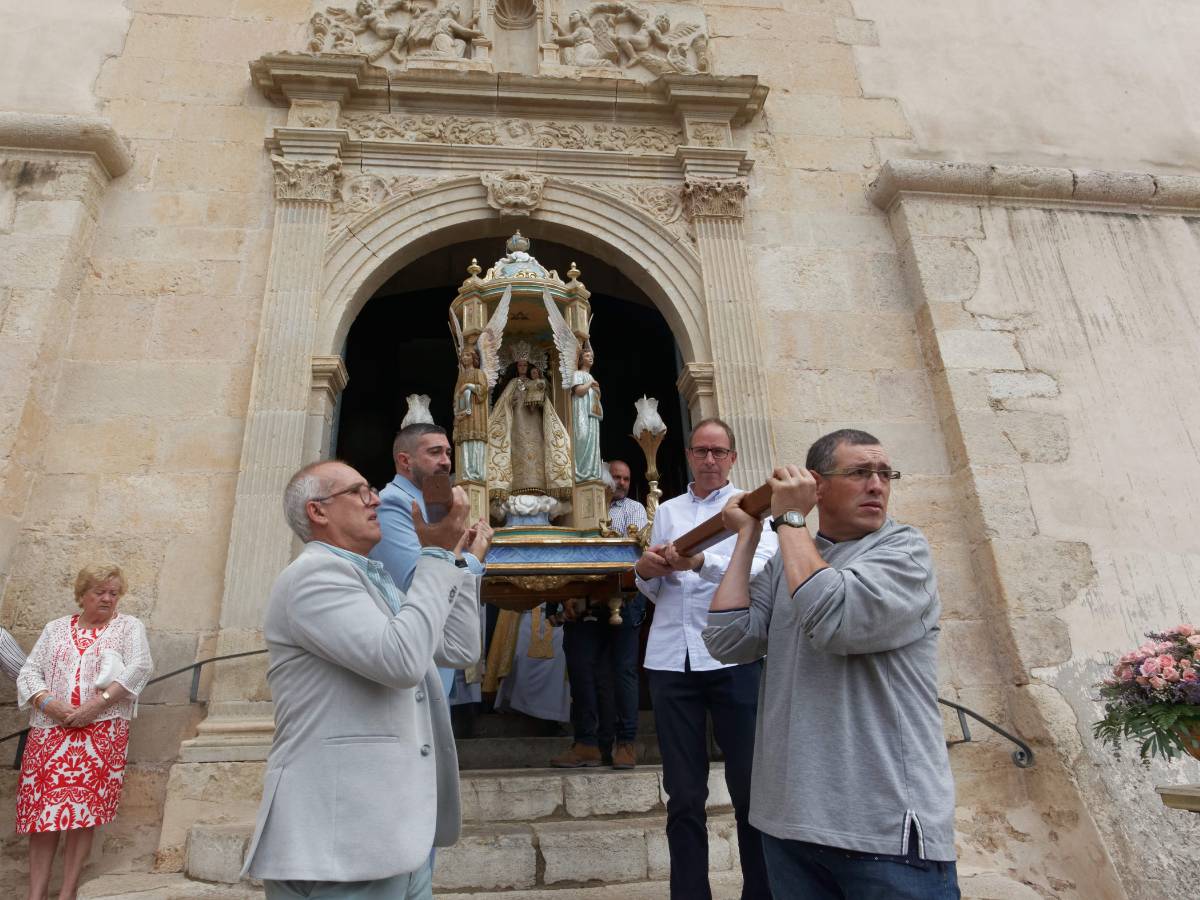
point(511, 132)
point(362, 193)
point(514, 192)
point(304, 179)
point(619, 34)
point(375, 29)
point(663, 202)
point(708, 134)
point(715, 197)
point(515, 14)
point(616, 34)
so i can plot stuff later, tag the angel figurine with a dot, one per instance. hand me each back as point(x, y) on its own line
point(478, 368)
point(575, 367)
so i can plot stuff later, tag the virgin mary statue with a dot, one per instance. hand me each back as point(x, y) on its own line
point(529, 451)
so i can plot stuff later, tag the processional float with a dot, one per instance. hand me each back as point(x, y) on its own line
point(527, 415)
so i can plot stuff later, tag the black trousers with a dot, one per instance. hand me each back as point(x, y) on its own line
point(602, 666)
point(681, 700)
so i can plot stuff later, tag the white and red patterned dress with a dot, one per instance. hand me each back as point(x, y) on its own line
point(72, 777)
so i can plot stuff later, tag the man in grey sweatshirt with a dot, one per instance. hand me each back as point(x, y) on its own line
point(851, 783)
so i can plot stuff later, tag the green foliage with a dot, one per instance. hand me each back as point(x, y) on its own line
point(1162, 728)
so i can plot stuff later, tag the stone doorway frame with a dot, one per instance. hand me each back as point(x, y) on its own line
point(330, 252)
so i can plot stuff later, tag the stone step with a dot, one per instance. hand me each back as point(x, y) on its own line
point(515, 724)
point(503, 806)
point(532, 752)
point(725, 886)
point(571, 854)
point(523, 795)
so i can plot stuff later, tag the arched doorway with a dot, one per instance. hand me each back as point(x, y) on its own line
point(399, 344)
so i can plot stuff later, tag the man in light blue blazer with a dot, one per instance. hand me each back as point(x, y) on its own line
point(362, 779)
point(420, 450)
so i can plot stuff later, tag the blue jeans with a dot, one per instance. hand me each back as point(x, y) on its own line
point(799, 870)
point(416, 885)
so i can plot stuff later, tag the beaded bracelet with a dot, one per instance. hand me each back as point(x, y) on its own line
point(45, 701)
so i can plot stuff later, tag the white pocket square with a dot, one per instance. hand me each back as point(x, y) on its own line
point(111, 667)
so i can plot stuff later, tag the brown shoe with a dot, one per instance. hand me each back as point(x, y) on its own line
point(580, 756)
point(624, 756)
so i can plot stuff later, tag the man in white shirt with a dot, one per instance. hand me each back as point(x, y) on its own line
point(686, 682)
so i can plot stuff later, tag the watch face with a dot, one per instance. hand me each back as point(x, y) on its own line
point(793, 518)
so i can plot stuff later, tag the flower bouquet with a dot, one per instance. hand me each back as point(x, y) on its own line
point(1153, 696)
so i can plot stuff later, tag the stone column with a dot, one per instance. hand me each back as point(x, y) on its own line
point(716, 208)
point(239, 723)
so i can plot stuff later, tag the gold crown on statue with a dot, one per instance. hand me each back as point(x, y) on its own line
point(526, 351)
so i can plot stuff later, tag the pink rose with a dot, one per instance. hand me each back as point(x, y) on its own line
point(1157, 683)
point(1189, 676)
point(1185, 663)
point(1150, 667)
point(1125, 673)
point(1185, 630)
point(1142, 680)
point(1166, 661)
point(1147, 650)
point(1131, 657)
point(1194, 640)
point(1164, 646)
point(1171, 674)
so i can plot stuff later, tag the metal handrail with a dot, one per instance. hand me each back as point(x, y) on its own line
point(193, 694)
point(1021, 757)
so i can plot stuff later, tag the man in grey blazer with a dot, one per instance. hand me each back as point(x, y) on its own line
point(362, 779)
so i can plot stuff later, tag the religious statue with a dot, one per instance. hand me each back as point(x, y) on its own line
point(470, 416)
point(575, 365)
point(479, 368)
point(437, 32)
point(529, 455)
point(583, 43)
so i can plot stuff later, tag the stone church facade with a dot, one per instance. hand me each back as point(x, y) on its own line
point(972, 235)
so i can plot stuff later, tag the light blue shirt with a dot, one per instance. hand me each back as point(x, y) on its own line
point(399, 548)
point(375, 572)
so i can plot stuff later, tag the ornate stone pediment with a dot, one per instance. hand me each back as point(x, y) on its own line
point(515, 192)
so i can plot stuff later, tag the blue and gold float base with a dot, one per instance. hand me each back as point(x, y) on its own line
point(528, 565)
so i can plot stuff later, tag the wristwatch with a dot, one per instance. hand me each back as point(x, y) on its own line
point(792, 517)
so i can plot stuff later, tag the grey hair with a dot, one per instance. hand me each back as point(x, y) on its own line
point(302, 487)
point(820, 454)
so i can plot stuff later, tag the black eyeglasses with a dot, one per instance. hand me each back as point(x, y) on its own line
point(717, 452)
point(864, 474)
point(365, 493)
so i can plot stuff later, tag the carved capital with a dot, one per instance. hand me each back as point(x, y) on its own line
point(329, 376)
point(696, 383)
point(302, 179)
point(514, 192)
point(715, 197)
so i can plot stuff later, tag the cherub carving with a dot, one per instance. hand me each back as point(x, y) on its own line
point(372, 16)
point(585, 43)
point(437, 32)
point(635, 48)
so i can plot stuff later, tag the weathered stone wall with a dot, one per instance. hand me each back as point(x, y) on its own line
point(126, 385)
point(1062, 339)
point(1074, 82)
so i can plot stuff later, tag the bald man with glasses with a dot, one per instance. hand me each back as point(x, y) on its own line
point(687, 684)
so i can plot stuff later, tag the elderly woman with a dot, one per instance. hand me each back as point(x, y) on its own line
point(82, 679)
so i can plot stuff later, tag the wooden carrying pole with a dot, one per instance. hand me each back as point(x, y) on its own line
point(713, 531)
